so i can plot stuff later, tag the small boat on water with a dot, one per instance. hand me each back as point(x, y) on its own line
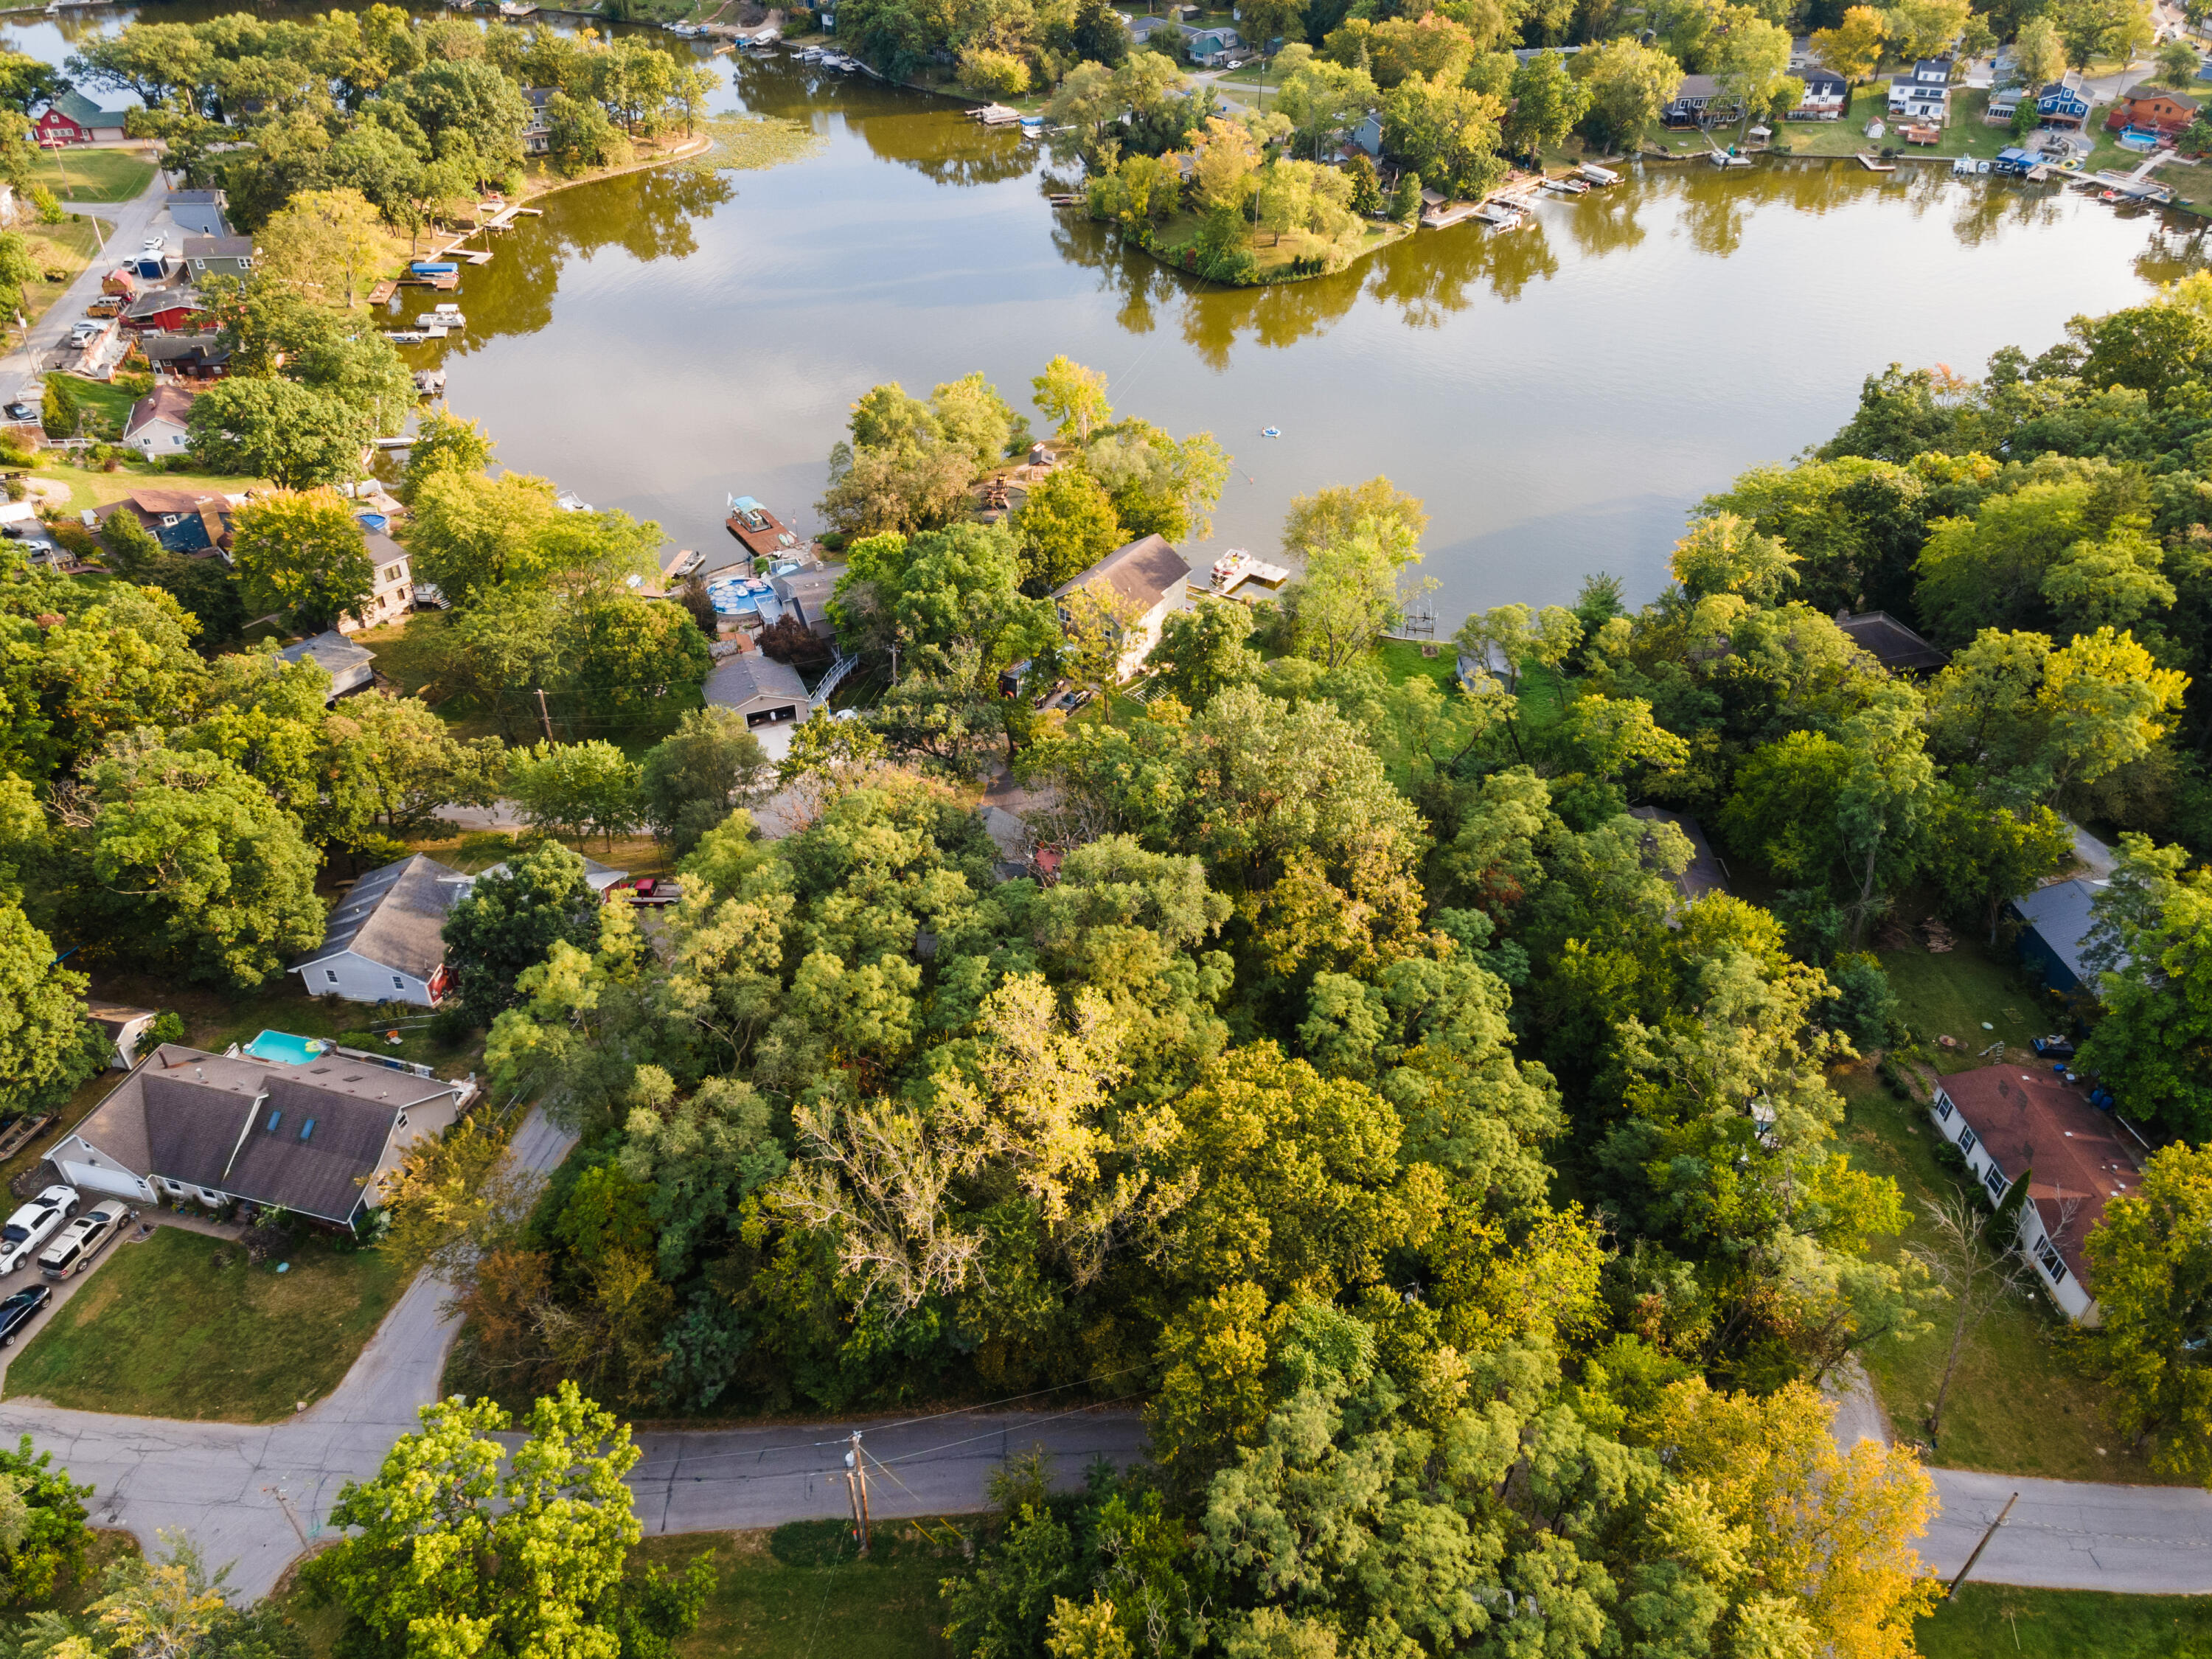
point(412, 335)
point(445, 317)
point(1569, 185)
point(1597, 175)
point(570, 501)
point(1271, 432)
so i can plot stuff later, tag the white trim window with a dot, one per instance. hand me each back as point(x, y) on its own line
point(1994, 1179)
point(2046, 1254)
point(1967, 1140)
point(1942, 1107)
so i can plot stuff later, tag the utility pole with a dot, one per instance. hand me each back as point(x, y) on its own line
point(1952, 1594)
point(542, 715)
point(858, 1478)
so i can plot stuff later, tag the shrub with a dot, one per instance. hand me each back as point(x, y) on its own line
point(48, 205)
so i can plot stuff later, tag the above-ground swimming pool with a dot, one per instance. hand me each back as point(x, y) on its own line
point(284, 1048)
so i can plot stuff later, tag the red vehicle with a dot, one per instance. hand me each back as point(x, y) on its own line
point(651, 890)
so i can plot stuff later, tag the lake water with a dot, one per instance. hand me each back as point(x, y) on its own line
point(1559, 396)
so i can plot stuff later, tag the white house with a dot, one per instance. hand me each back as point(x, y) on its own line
point(1827, 93)
point(1923, 94)
point(123, 1027)
point(347, 664)
point(1137, 584)
point(385, 940)
point(393, 596)
point(320, 1140)
point(156, 426)
point(2014, 1125)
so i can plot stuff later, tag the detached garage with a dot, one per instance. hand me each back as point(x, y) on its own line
point(765, 691)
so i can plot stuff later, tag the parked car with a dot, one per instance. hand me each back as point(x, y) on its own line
point(34, 1225)
point(19, 1308)
point(23, 412)
point(72, 1252)
point(2053, 1047)
point(652, 889)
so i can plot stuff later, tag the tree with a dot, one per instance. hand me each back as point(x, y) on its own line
point(17, 268)
point(1322, 99)
point(1203, 649)
point(48, 1045)
point(1853, 47)
point(444, 443)
point(470, 533)
point(576, 789)
point(2112, 29)
point(1629, 84)
point(1752, 61)
point(1978, 1263)
point(305, 555)
point(1924, 28)
point(691, 781)
point(1506, 638)
point(2150, 1258)
point(293, 435)
point(508, 921)
point(2178, 64)
point(1350, 593)
point(2151, 945)
point(2039, 53)
point(42, 1531)
point(1073, 396)
point(1067, 525)
point(192, 866)
point(1331, 514)
point(1447, 132)
point(1724, 554)
point(326, 242)
point(453, 1553)
point(1270, 20)
point(1547, 104)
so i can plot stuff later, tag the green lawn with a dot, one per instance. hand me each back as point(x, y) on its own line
point(1992, 1621)
point(108, 404)
point(64, 249)
point(97, 489)
point(160, 1330)
point(214, 1019)
point(1401, 660)
point(800, 1590)
point(93, 175)
point(1956, 992)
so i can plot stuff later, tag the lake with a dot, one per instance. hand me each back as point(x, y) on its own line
point(1559, 396)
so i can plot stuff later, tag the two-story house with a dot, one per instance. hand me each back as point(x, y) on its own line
point(1924, 94)
point(393, 595)
point(1827, 94)
point(219, 256)
point(536, 129)
point(2063, 103)
point(2152, 110)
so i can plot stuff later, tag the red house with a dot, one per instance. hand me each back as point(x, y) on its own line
point(166, 310)
point(74, 119)
point(2152, 110)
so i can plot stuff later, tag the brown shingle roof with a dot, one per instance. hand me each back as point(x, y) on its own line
point(164, 403)
point(1144, 571)
point(2034, 1125)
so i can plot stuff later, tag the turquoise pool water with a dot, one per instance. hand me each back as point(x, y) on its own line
point(284, 1048)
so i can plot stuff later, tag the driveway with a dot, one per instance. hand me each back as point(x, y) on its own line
point(134, 221)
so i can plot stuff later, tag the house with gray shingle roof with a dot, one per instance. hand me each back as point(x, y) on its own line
point(386, 941)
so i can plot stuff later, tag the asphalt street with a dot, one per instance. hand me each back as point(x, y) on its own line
point(133, 221)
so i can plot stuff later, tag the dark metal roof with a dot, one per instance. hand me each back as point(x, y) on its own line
point(1891, 643)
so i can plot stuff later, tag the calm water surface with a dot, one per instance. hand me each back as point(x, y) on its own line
point(1559, 396)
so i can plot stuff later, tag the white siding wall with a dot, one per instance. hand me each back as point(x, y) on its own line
point(1144, 635)
point(359, 980)
point(87, 1167)
point(2067, 1291)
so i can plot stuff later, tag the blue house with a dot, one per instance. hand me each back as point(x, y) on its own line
point(1211, 46)
point(2058, 919)
point(1368, 135)
point(2063, 103)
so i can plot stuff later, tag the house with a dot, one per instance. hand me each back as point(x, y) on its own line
point(806, 594)
point(596, 875)
point(2004, 105)
point(1706, 872)
point(385, 939)
point(2058, 918)
point(318, 1140)
point(167, 311)
point(765, 691)
point(219, 256)
point(200, 212)
point(1368, 135)
point(74, 119)
point(537, 128)
point(347, 663)
point(1142, 29)
point(156, 426)
point(1139, 584)
point(2151, 110)
point(393, 596)
point(1924, 94)
point(2063, 103)
point(123, 1027)
point(1699, 101)
point(179, 519)
point(199, 358)
point(1890, 642)
point(759, 531)
point(1827, 94)
point(1212, 44)
point(2014, 1125)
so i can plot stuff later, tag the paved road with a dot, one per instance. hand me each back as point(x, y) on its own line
point(255, 1495)
point(133, 221)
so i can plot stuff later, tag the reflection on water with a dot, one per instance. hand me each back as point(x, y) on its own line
point(1559, 395)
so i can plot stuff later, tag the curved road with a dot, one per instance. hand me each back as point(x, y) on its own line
point(257, 1495)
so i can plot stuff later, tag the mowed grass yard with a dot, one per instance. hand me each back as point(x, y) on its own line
point(160, 1330)
point(1992, 1621)
point(802, 1590)
point(93, 175)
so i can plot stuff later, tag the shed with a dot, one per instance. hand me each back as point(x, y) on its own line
point(219, 256)
point(347, 663)
point(2058, 918)
point(124, 1026)
point(385, 939)
point(765, 691)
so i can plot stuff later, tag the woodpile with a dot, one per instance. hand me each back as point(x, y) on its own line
point(1937, 936)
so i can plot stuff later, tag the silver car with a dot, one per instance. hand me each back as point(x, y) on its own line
point(33, 1224)
point(73, 1248)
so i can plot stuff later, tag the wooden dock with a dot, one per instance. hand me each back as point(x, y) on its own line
point(1873, 165)
point(383, 291)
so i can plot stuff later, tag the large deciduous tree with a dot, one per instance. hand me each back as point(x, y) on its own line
point(304, 554)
